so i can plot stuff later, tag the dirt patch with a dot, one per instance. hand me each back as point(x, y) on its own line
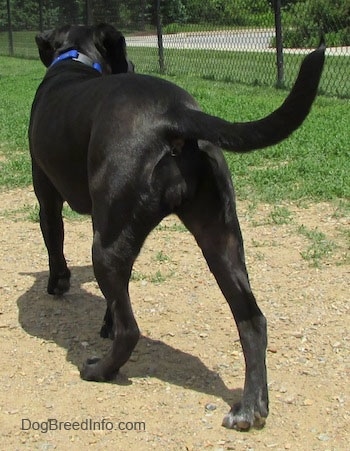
point(188, 366)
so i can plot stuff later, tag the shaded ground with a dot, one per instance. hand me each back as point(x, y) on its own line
point(188, 367)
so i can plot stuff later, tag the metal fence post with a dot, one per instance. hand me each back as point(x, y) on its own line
point(160, 39)
point(279, 44)
point(9, 21)
point(41, 27)
point(89, 15)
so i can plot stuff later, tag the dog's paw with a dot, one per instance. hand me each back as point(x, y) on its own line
point(60, 284)
point(92, 370)
point(242, 419)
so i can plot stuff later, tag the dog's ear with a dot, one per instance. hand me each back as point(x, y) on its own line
point(49, 42)
point(111, 44)
point(44, 41)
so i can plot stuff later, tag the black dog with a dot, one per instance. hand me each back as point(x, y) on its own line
point(131, 149)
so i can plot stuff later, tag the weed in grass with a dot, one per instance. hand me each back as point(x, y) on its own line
point(31, 213)
point(157, 277)
point(345, 233)
point(342, 209)
point(72, 215)
point(26, 212)
point(252, 207)
point(171, 228)
point(277, 216)
point(257, 243)
point(161, 257)
point(259, 256)
point(137, 276)
point(251, 210)
point(320, 246)
point(280, 215)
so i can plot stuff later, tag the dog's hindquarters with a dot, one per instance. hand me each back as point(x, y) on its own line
point(193, 182)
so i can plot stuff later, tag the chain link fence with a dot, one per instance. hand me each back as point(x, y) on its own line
point(259, 42)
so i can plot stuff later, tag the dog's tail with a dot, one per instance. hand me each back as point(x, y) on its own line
point(246, 136)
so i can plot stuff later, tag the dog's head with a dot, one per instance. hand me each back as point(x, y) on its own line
point(101, 43)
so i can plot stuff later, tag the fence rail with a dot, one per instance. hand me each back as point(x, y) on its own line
point(263, 50)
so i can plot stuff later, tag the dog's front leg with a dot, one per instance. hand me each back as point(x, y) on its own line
point(51, 224)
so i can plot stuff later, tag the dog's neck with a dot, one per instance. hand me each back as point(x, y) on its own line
point(77, 56)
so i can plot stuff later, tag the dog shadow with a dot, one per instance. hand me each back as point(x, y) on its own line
point(72, 322)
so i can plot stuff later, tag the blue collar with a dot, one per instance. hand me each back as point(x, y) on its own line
point(77, 56)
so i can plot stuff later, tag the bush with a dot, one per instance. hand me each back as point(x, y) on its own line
point(308, 18)
point(228, 12)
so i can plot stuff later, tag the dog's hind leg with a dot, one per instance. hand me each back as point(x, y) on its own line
point(51, 224)
point(212, 219)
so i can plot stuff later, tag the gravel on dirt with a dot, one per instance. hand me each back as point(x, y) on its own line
point(187, 368)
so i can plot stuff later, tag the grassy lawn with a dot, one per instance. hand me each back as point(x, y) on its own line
point(23, 43)
point(313, 164)
point(252, 68)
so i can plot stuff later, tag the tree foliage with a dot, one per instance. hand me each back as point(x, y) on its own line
point(25, 13)
point(309, 18)
point(305, 18)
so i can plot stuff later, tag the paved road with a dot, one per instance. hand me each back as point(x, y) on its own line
point(226, 40)
point(248, 40)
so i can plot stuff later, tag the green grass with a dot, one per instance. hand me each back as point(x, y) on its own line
point(342, 209)
point(18, 82)
point(280, 215)
point(313, 164)
point(157, 278)
point(161, 257)
point(23, 44)
point(172, 228)
point(319, 248)
point(251, 68)
point(31, 213)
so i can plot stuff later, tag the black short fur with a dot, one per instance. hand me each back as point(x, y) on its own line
point(129, 150)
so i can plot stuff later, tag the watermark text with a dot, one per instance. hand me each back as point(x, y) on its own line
point(53, 424)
